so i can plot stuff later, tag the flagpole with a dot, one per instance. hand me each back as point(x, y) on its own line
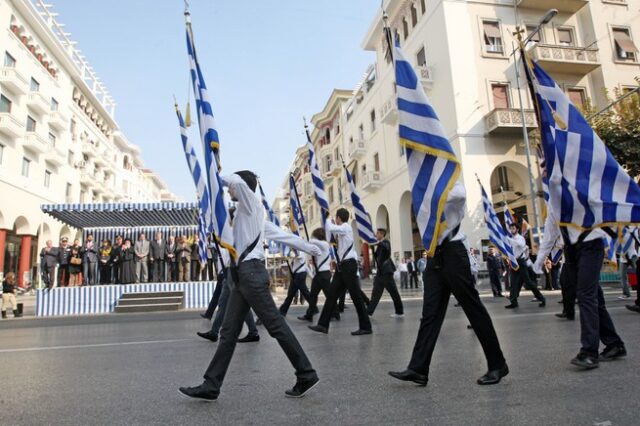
point(304, 222)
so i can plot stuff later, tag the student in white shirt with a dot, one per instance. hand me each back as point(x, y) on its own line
point(321, 268)
point(251, 291)
point(517, 278)
point(298, 282)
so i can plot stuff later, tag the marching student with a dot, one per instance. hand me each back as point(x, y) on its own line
point(322, 278)
point(521, 276)
point(345, 276)
point(449, 271)
point(384, 276)
point(251, 291)
point(298, 282)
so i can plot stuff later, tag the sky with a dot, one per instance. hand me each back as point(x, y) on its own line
point(266, 63)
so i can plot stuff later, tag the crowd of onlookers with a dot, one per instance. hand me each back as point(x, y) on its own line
point(124, 261)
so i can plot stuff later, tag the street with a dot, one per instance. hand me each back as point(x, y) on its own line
point(125, 369)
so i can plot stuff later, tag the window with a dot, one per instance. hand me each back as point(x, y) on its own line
point(9, 61)
point(336, 154)
point(376, 162)
point(25, 167)
point(372, 117)
point(361, 131)
point(5, 104)
point(421, 57)
point(423, 7)
point(327, 136)
point(31, 124)
point(626, 49)
point(47, 178)
point(565, 37)
point(70, 157)
point(577, 97)
point(67, 191)
point(331, 194)
point(405, 28)
point(54, 104)
point(500, 93)
point(72, 127)
point(52, 139)
point(414, 16)
point(536, 38)
point(492, 37)
point(34, 86)
point(503, 179)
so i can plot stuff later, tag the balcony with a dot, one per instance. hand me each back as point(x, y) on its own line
point(509, 120)
point(37, 102)
point(87, 178)
point(55, 156)
point(58, 120)
point(565, 59)
point(371, 180)
point(88, 148)
point(10, 126)
point(35, 143)
point(389, 111)
point(569, 6)
point(426, 76)
point(357, 149)
point(13, 80)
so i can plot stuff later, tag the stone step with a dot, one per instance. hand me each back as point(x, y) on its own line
point(149, 300)
point(152, 294)
point(148, 308)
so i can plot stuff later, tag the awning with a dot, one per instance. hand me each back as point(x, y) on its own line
point(491, 29)
point(624, 41)
point(123, 214)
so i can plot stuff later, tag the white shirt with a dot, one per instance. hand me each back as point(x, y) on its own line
point(249, 223)
point(403, 267)
point(325, 255)
point(519, 245)
point(344, 236)
point(454, 212)
point(299, 264)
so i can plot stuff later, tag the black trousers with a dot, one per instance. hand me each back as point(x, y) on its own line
point(105, 273)
point(115, 272)
point(380, 283)
point(583, 262)
point(518, 278)
point(157, 270)
point(298, 282)
point(346, 277)
point(213, 303)
point(48, 274)
point(449, 272)
point(252, 292)
point(496, 285)
point(63, 275)
point(638, 283)
point(172, 271)
point(195, 270)
point(413, 278)
point(568, 288)
point(320, 282)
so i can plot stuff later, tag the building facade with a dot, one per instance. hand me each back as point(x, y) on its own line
point(462, 52)
point(59, 141)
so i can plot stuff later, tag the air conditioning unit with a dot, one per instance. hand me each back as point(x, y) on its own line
point(81, 164)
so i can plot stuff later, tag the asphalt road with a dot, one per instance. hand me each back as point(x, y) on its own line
point(122, 370)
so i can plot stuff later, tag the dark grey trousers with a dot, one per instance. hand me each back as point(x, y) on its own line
point(252, 292)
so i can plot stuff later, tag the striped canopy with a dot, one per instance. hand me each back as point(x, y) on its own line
point(124, 214)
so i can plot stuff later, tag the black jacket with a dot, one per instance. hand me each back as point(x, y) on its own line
point(383, 259)
point(49, 258)
point(494, 263)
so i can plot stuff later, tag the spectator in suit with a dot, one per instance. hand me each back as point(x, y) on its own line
point(156, 255)
point(170, 259)
point(412, 268)
point(141, 250)
point(183, 256)
point(195, 259)
point(64, 253)
point(116, 260)
point(48, 262)
point(404, 274)
point(89, 254)
point(105, 262)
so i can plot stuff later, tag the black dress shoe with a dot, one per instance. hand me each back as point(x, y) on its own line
point(585, 361)
point(494, 376)
point(469, 327)
point(301, 388)
point(511, 306)
point(208, 335)
point(305, 318)
point(336, 316)
point(543, 303)
point(634, 308)
point(613, 352)
point(205, 316)
point(410, 376)
point(564, 315)
point(249, 338)
point(319, 329)
point(560, 301)
point(360, 332)
point(199, 392)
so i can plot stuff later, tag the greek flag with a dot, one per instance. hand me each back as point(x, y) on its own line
point(273, 247)
point(508, 217)
point(316, 178)
point(365, 228)
point(211, 144)
point(497, 234)
point(587, 187)
point(204, 224)
point(296, 218)
point(432, 163)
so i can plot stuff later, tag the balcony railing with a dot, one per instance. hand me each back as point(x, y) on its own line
point(566, 59)
point(570, 6)
point(58, 120)
point(10, 126)
point(389, 111)
point(357, 149)
point(34, 142)
point(37, 102)
point(426, 76)
point(371, 180)
point(509, 120)
point(13, 80)
point(56, 156)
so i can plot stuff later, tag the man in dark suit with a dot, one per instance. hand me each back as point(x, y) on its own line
point(170, 257)
point(494, 265)
point(384, 276)
point(64, 253)
point(90, 261)
point(195, 259)
point(116, 260)
point(413, 273)
point(48, 263)
point(156, 256)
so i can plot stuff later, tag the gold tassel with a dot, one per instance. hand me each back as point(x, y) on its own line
point(187, 115)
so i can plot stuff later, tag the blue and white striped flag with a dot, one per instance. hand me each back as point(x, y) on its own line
point(204, 222)
point(296, 218)
point(432, 163)
point(587, 187)
point(211, 144)
point(363, 220)
point(273, 246)
point(508, 217)
point(497, 235)
point(316, 178)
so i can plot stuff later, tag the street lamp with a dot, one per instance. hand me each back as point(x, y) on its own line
point(545, 20)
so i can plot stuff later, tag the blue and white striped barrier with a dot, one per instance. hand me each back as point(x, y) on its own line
point(102, 299)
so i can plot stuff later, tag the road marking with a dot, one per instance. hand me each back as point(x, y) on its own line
point(95, 345)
